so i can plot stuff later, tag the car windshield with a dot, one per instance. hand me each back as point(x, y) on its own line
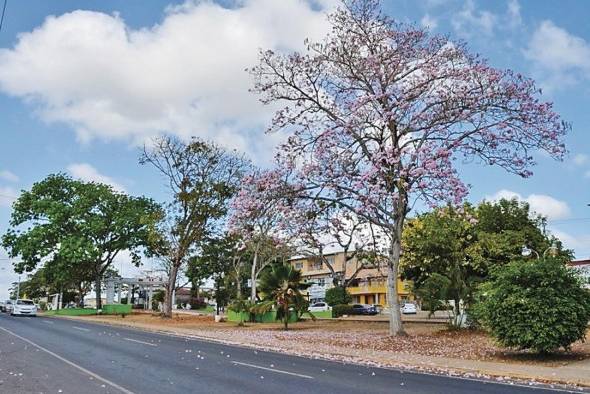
point(25, 302)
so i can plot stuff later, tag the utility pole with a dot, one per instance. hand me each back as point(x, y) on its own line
point(18, 288)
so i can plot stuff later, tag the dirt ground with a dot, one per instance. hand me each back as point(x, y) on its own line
point(335, 336)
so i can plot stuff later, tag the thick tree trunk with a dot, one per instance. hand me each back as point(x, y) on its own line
point(395, 317)
point(253, 275)
point(170, 287)
point(98, 292)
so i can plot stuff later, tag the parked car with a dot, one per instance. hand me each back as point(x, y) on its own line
point(319, 307)
point(378, 308)
point(363, 309)
point(2, 306)
point(24, 308)
point(8, 306)
point(409, 309)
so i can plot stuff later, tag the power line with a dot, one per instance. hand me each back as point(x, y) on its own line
point(566, 220)
point(3, 12)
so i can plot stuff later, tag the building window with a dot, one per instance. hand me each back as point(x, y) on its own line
point(299, 266)
point(315, 265)
point(321, 282)
point(331, 260)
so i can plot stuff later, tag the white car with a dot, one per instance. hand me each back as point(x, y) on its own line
point(409, 309)
point(8, 306)
point(319, 307)
point(24, 308)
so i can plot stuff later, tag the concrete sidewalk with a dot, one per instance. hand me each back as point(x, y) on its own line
point(574, 373)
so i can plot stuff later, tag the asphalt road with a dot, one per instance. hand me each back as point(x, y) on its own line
point(50, 355)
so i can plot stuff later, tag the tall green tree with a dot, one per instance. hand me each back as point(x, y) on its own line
point(222, 259)
point(464, 244)
point(67, 224)
point(201, 178)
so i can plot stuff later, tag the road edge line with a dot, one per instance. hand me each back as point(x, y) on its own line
point(86, 371)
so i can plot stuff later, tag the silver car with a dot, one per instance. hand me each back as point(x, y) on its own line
point(24, 308)
point(8, 306)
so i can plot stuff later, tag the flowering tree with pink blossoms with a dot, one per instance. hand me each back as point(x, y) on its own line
point(260, 215)
point(380, 112)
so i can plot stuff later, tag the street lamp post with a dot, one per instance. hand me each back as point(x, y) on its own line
point(526, 251)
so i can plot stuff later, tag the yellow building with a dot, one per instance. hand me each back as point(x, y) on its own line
point(368, 286)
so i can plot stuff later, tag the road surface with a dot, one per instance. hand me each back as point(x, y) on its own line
point(51, 355)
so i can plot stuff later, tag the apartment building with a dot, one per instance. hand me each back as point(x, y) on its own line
point(369, 285)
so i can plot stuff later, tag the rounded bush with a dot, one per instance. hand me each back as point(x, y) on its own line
point(341, 310)
point(539, 305)
point(337, 295)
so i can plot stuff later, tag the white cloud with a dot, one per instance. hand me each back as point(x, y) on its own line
point(579, 243)
point(542, 204)
point(184, 76)
point(580, 159)
point(560, 58)
point(514, 16)
point(8, 176)
point(7, 196)
point(429, 22)
point(88, 173)
point(469, 19)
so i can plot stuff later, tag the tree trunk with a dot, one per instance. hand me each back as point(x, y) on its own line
point(286, 316)
point(253, 275)
point(98, 293)
point(170, 287)
point(395, 317)
point(457, 307)
point(238, 288)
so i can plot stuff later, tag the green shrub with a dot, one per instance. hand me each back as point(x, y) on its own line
point(343, 309)
point(338, 296)
point(536, 304)
point(432, 292)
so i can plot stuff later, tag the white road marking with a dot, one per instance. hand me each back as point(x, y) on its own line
point(135, 340)
point(47, 321)
point(273, 370)
point(71, 364)
point(80, 328)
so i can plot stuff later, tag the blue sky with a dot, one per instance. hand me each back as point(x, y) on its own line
point(84, 83)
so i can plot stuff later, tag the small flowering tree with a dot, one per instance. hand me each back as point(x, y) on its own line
point(260, 217)
point(380, 111)
point(322, 227)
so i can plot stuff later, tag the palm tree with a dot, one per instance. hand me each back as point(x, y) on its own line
point(281, 285)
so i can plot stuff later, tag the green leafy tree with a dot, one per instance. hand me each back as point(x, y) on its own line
point(338, 295)
point(540, 305)
point(70, 224)
point(201, 178)
point(281, 285)
point(442, 242)
point(433, 291)
point(464, 244)
point(221, 256)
